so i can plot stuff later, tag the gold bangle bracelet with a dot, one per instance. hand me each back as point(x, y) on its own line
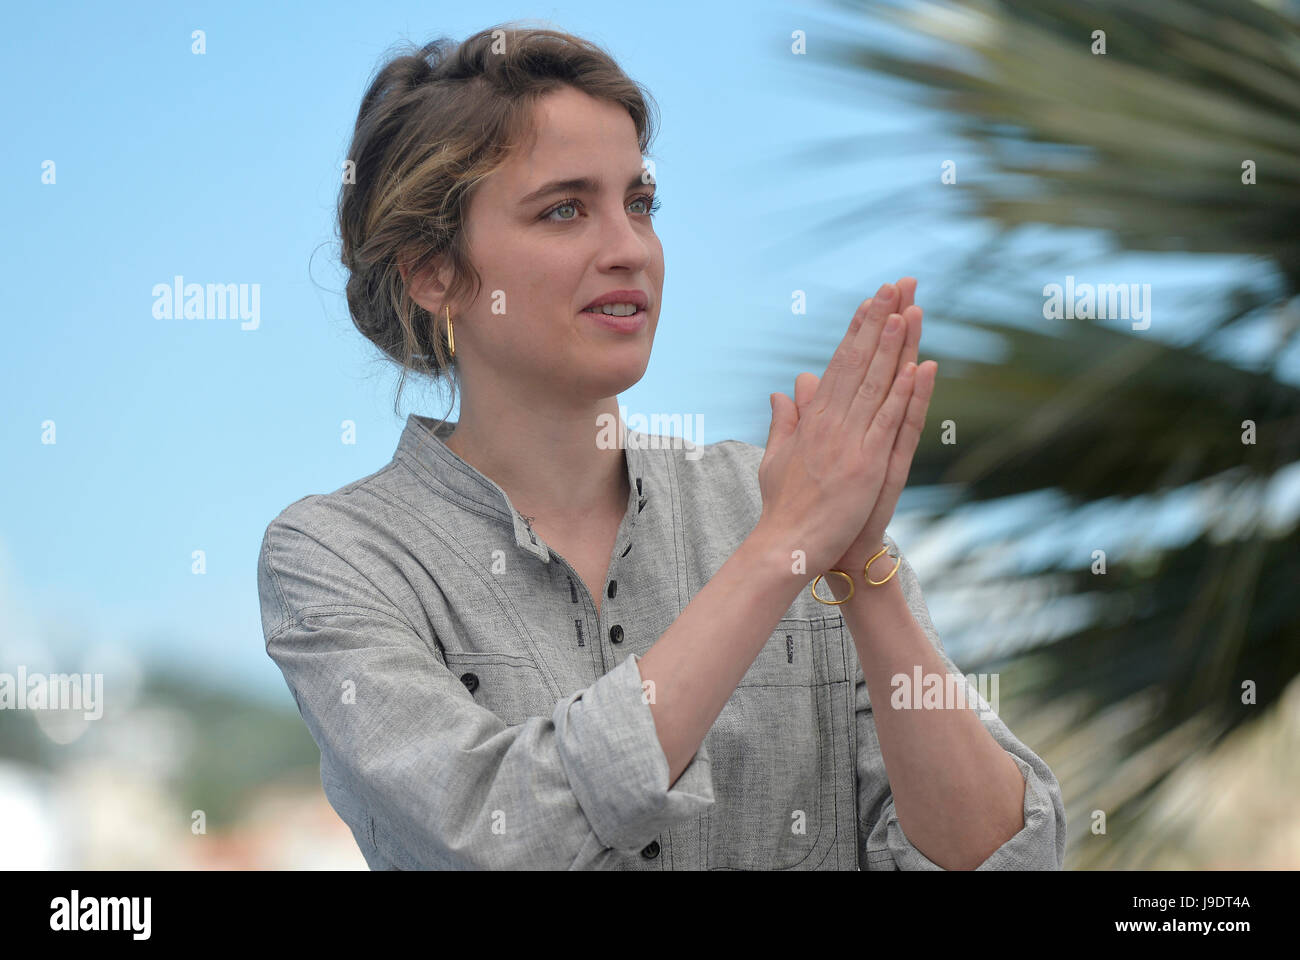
point(833, 603)
point(898, 561)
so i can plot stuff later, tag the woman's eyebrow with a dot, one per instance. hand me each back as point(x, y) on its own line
point(578, 185)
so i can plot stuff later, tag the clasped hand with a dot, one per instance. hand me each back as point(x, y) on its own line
point(890, 301)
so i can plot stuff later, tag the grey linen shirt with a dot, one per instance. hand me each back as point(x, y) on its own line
point(473, 711)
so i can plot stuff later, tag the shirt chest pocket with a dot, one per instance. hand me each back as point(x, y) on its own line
point(511, 687)
point(782, 754)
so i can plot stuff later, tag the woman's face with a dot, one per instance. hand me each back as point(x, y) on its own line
point(544, 256)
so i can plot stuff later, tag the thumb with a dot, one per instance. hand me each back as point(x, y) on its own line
point(785, 417)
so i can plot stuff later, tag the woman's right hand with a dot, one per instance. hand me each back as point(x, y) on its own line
point(823, 471)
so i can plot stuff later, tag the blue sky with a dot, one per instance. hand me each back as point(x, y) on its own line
point(177, 435)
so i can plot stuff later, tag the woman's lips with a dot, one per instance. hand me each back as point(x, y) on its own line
point(619, 324)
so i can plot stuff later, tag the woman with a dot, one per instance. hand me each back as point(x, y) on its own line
point(519, 648)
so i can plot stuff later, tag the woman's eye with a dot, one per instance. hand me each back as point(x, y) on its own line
point(549, 215)
point(651, 205)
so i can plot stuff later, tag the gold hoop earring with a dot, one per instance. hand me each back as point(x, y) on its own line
point(451, 335)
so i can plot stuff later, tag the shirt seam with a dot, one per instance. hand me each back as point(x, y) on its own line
point(279, 589)
point(270, 563)
point(421, 474)
point(427, 440)
point(519, 623)
point(329, 609)
point(835, 752)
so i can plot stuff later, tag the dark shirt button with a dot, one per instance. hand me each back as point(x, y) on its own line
point(470, 680)
point(616, 634)
point(651, 850)
point(612, 588)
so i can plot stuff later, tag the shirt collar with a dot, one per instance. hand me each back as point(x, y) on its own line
point(422, 448)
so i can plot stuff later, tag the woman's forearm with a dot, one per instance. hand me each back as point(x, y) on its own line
point(694, 667)
point(958, 794)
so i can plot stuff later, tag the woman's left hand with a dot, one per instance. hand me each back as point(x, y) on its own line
point(871, 539)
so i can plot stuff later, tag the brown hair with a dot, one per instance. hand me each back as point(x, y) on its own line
point(433, 123)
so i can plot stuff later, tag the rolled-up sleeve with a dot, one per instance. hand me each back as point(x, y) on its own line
point(882, 845)
point(433, 780)
point(610, 749)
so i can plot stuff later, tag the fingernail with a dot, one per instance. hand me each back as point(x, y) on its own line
point(892, 323)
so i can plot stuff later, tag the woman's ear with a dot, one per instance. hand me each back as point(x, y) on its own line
point(426, 286)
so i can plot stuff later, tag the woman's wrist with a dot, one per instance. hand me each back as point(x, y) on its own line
point(774, 560)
